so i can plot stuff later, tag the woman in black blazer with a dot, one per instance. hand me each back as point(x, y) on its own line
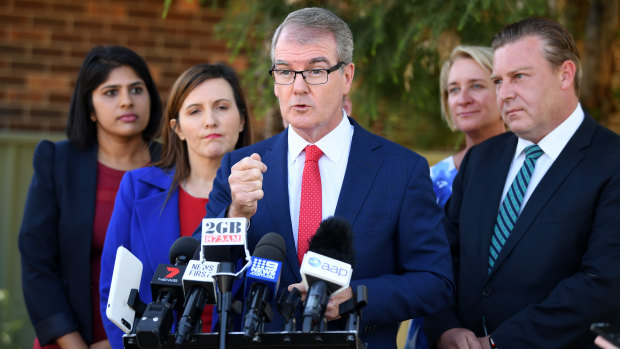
point(114, 116)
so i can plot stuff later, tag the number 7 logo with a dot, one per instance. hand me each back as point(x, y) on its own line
point(173, 272)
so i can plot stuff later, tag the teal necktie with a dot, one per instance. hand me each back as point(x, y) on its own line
point(509, 210)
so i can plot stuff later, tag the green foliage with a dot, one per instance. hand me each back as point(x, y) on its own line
point(399, 48)
point(9, 326)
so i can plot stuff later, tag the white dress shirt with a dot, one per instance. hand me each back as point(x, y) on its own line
point(336, 146)
point(552, 145)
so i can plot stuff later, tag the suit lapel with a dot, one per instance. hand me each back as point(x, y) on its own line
point(492, 187)
point(362, 168)
point(570, 157)
point(159, 226)
point(275, 187)
point(78, 179)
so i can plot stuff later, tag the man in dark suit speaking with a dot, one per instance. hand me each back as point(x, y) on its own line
point(534, 217)
point(325, 164)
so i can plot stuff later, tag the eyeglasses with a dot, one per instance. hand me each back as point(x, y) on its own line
point(311, 76)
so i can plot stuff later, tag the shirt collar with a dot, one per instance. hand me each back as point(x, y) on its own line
point(330, 144)
point(555, 141)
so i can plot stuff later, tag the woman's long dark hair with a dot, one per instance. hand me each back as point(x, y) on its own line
point(94, 71)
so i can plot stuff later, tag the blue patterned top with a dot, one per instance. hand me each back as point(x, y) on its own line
point(442, 175)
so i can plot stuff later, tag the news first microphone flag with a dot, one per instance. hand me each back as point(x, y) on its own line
point(200, 273)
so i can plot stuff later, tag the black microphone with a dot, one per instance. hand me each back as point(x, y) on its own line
point(167, 290)
point(261, 282)
point(199, 288)
point(326, 269)
point(287, 306)
point(224, 280)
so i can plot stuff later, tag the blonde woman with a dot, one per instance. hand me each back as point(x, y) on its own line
point(468, 105)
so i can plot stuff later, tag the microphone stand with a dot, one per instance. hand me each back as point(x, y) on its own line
point(314, 310)
point(224, 280)
point(352, 310)
point(287, 307)
point(259, 312)
point(137, 305)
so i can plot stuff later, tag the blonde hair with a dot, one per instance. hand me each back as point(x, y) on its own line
point(480, 54)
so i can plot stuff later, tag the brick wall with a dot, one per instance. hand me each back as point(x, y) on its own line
point(43, 43)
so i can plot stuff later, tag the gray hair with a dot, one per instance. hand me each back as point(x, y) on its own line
point(559, 45)
point(307, 23)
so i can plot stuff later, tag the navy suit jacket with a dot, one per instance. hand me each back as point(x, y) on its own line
point(560, 269)
point(401, 253)
point(55, 239)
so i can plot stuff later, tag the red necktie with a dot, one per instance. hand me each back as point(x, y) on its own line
point(310, 208)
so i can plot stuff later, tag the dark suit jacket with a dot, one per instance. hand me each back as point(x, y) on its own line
point(55, 239)
point(560, 269)
point(401, 253)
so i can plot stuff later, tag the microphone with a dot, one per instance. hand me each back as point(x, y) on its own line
point(229, 232)
point(167, 290)
point(287, 306)
point(262, 281)
point(224, 282)
point(326, 269)
point(199, 288)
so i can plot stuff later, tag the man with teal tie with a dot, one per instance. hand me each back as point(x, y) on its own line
point(534, 217)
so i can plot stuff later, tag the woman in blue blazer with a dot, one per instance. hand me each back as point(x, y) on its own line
point(114, 115)
point(206, 117)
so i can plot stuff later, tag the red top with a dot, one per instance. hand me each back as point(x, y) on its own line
point(191, 212)
point(108, 181)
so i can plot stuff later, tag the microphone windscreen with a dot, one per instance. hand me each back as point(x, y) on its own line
point(334, 239)
point(183, 246)
point(271, 246)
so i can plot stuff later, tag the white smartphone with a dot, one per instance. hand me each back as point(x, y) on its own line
point(126, 275)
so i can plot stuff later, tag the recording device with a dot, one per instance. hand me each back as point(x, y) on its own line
point(199, 288)
point(607, 331)
point(125, 277)
point(261, 283)
point(167, 290)
point(326, 269)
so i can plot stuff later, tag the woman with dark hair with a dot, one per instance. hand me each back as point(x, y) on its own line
point(206, 117)
point(114, 116)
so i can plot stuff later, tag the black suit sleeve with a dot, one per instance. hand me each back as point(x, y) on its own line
point(436, 324)
point(43, 286)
